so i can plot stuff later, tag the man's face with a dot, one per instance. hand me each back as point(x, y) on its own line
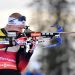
point(18, 28)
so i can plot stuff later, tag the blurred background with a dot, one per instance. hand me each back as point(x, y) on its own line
point(41, 14)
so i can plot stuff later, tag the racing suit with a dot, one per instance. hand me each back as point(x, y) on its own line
point(14, 60)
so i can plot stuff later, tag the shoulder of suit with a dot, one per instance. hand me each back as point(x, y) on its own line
point(3, 32)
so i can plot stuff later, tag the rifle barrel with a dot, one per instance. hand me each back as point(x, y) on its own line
point(65, 32)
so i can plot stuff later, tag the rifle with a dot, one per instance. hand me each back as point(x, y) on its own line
point(28, 37)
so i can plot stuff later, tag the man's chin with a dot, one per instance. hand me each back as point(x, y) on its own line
point(15, 30)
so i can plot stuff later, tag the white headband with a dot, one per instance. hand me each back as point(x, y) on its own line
point(14, 21)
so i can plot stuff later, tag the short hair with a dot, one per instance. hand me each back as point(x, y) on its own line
point(15, 15)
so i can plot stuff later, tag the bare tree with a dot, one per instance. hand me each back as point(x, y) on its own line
point(56, 59)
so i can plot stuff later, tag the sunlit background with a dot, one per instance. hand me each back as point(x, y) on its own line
point(41, 14)
point(8, 7)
